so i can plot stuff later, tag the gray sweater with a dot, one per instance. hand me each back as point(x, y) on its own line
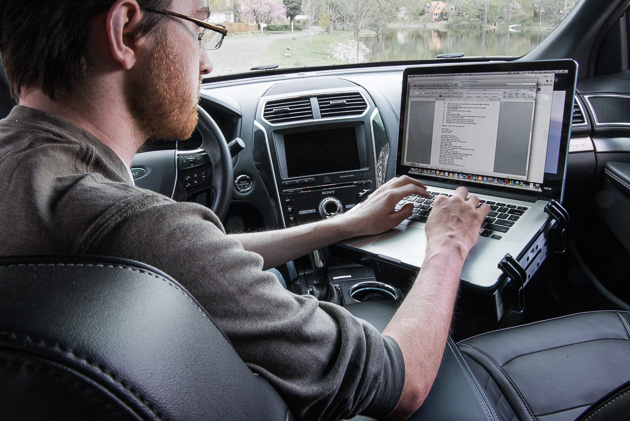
point(65, 192)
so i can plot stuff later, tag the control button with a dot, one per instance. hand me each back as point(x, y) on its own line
point(363, 194)
point(329, 207)
point(243, 183)
point(196, 179)
point(190, 161)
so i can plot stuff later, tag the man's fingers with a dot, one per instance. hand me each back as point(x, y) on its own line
point(405, 211)
point(398, 182)
point(461, 192)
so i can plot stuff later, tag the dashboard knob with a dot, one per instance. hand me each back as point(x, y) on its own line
point(329, 207)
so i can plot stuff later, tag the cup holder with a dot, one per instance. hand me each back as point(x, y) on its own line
point(373, 291)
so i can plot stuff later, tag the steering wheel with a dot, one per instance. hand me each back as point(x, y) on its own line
point(204, 175)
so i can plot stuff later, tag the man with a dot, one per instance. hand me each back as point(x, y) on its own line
point(94, 80)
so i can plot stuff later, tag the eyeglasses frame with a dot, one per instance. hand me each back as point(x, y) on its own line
point(203, 24)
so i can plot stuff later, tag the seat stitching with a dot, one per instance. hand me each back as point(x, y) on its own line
point(500, 369)
point(625, 324)
point(73, 355)
point(564, 410)
point(507, 329)
point(476, 386)
point(559, 347)
point(39, 367)
point(112, 266)
point(617, 178)
point(607, 404)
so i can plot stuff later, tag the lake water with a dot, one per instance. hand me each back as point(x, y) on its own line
point(414, 44)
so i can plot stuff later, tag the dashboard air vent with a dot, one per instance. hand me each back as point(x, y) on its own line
point(287, 110)
point(341, 105)
point(578, 116)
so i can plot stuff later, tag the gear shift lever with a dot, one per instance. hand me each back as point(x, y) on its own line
point(322, 289)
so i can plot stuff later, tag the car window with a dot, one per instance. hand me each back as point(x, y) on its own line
point(267, 34)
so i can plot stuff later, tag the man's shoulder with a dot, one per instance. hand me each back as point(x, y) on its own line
point(35, 134)
point(108, 206)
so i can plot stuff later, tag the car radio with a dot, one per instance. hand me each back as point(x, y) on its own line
point(323, 171)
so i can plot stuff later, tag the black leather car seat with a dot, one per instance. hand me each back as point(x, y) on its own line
point(573, 367)
point(556, 369)
point(103, 339)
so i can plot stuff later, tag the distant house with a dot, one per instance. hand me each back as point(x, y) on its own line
point(439, 10)
point(222, 17)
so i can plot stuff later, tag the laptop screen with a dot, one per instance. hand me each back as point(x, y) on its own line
point(496, 126)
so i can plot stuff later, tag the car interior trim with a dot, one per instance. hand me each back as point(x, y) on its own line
point(597, 114)
point(581, 144)
point(313, 96)
point(260, 127)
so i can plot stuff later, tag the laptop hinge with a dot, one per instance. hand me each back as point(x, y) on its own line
point(478, 190)
point(506, 195)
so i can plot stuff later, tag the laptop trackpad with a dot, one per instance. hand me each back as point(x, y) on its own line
point(407, 242)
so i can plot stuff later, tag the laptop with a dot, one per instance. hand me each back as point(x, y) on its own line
point(501, 130)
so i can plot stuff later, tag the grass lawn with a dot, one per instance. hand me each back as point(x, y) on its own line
point(312, 50)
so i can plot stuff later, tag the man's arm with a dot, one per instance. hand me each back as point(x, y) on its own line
point(374, 216)
point(421, 324)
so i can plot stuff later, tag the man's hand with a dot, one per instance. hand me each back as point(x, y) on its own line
point(377, 214)
point(455, 222)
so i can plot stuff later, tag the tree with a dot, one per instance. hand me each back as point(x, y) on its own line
point(357, 15)
point(511, 10)
point(218, 6)
point(552, 11)
point(312, 9)
point(262, 11)
point(293, 8)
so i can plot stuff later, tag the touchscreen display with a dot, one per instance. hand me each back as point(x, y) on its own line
point(322, 151)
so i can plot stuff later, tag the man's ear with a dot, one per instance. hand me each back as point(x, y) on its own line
point(123, 20)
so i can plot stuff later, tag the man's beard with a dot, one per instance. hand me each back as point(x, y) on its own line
point(160, 101)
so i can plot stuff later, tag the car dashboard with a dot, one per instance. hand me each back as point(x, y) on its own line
point(347, 123)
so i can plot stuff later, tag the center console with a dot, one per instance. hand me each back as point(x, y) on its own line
point(322, 146)
point(323, 170)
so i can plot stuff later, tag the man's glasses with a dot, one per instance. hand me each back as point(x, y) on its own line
point(210, 37)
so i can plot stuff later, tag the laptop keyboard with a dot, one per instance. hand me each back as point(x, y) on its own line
point(501, 218)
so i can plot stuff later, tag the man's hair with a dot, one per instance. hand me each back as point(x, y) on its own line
point(44, 43)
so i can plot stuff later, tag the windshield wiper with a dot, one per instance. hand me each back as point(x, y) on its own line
point(450, 55)
point(265, 67)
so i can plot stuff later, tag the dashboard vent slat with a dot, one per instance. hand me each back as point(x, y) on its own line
point(578, 116)
point(288, 110)
point(341, 105)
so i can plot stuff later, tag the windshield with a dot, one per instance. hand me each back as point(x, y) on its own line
point(268, 34)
